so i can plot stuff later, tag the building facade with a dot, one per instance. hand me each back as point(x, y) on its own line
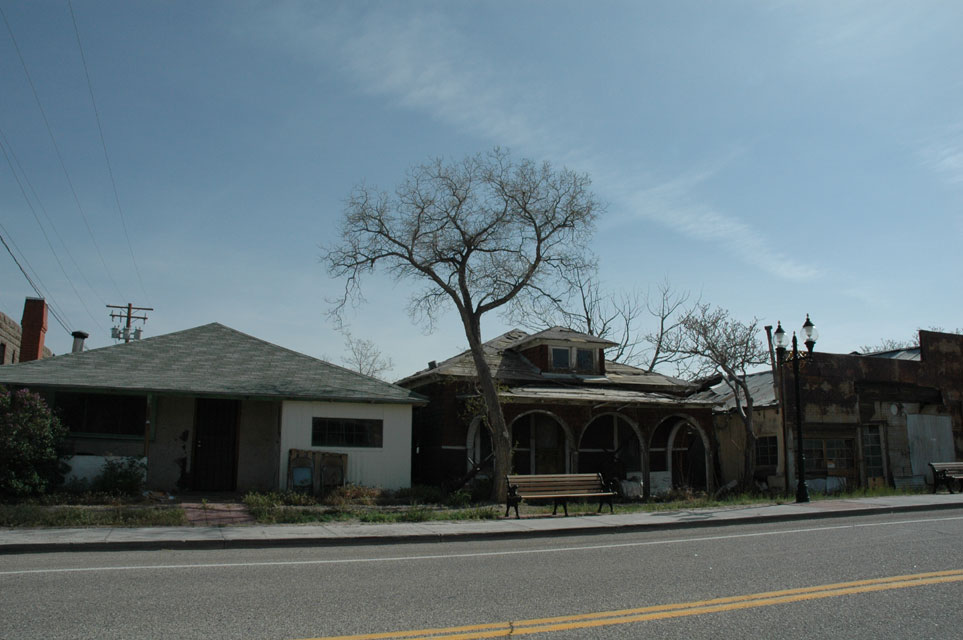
point(569, 411)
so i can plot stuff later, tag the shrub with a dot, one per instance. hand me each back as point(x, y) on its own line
point(120, 476)
point(353, 494)
point(30, 435)
point(460, 498)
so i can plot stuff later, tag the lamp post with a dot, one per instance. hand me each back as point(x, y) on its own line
point(809, 330)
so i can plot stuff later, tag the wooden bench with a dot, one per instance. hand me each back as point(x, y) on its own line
point(945, 473)
point(560, 488)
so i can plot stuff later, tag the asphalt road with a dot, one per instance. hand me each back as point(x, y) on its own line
point(897, 576)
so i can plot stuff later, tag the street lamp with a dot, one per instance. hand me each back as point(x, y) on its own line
point(809, 330)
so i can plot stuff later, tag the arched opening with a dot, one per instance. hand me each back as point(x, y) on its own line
point(610, 446)
point(678, 456)
point(479, 446)
point(539, 445)
point(688, 458)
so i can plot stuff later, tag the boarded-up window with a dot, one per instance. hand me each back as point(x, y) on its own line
point(930, 440)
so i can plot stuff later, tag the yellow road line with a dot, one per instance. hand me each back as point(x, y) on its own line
point(660, 612)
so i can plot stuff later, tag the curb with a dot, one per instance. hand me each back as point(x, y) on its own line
point(429, 538)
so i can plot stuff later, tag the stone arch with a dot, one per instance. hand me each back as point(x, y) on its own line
point(621, 437)
point(548, 450)
point(680, 453)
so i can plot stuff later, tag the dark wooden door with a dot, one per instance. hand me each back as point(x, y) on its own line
point(215, 445)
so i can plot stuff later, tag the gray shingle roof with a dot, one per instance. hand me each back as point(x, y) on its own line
point(561, 334)
point(505, 364)
point(209, 360)
point(509, 366)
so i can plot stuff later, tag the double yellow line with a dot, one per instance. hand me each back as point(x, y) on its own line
point(661, 612)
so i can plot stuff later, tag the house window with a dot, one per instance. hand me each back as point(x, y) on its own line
point(767, 451)
point(99, 414)
point(561, 358)
point(585, 359)
point(3, 353)
point(832, 456)
point(346, 432)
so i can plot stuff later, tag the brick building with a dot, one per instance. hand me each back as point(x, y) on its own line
point(569, 410)
point(24, 342)
point(868, 419)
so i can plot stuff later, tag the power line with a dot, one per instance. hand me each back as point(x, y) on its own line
point(50, 305)
point(103, 142)
point(44, 232)
point(60, 158)
point(43, 209)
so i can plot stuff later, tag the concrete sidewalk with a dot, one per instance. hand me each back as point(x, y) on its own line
point(261, 536)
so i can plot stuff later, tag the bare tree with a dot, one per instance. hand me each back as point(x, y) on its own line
point(890, 344)
point(365, 357)
point(477, 234)
point(618, 317)
point(718, 343)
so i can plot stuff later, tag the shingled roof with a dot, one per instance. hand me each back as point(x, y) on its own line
point(210, 360)
point(511, 367)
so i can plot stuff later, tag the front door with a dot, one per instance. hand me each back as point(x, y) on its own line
point(215, 445)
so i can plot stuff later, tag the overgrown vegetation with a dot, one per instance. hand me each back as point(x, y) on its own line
point(30, 437)
point(120, 477)
point(35, 515)
point(366, 504)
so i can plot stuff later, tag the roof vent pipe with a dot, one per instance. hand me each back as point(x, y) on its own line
point(79, 337)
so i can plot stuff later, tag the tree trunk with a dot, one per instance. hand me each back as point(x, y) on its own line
point(501, 435)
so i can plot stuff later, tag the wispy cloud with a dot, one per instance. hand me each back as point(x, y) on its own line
point(944, 154)
point(675, 204)
point(421, 61)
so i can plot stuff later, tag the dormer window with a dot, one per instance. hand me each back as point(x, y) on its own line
point(561, 358)
point(585, 360)
point(573, 359)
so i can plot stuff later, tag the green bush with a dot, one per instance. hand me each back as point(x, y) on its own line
point(460, 498)
point(120, 477)
point(30, 436)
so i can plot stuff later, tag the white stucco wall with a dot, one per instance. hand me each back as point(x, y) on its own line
point(388, 467)
point(84, 467)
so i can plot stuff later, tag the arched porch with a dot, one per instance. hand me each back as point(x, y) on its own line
point(680, 455)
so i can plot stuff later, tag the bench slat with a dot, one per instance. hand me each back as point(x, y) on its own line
point(558, 487)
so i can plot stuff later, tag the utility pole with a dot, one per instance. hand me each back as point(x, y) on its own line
point(128, 312)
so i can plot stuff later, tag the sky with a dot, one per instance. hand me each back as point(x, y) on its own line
point(773, 158)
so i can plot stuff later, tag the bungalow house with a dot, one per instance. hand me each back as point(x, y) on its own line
point(868, 419)
point(213, 409)
point(569, 410)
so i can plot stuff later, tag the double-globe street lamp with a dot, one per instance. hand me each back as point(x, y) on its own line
point(809, 330)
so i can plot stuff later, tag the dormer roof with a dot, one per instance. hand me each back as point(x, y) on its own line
point(561, 335)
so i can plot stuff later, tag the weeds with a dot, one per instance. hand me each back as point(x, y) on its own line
point(32, 515)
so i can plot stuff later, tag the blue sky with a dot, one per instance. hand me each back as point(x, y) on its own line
point(776, 158)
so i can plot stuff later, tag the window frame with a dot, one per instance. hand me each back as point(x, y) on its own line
point(767, 451)
point(579, 351)
point(568, 358)
point(139, 410)
point(355, 433)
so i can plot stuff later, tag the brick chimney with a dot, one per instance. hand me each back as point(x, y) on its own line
point(34, 326)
